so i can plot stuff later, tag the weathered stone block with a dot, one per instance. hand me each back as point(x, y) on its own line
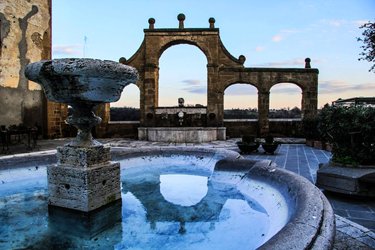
point(84, 189)
point(83, 157)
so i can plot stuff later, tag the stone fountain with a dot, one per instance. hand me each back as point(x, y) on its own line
point(84, 177)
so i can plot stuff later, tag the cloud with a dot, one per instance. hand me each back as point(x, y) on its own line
point(336, 23)
point(283, 34)
point(300, 62)
point(195, 86)
point(196, 90)
point(192, 82)
point(241, 89)
point(288, 89)
point(277, 38)
point(289, 31)
point(259, 48)
point(72, 50)
point(335, 87)
point(359, 22)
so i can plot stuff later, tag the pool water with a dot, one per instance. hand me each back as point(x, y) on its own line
point(164, 206)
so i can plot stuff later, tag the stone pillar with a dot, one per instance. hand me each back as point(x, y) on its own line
point(56, 116)
point(150, 95)
point(309, 103)
point(103, 111)
point(215, 98)
point(263, 109)
point(84, 179)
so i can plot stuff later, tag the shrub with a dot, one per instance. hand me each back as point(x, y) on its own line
point(310, 128)
point(351, 130)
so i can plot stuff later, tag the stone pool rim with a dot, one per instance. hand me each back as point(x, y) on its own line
point(312, 226)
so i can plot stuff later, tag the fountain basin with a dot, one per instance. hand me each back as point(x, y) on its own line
point(243, 205)
point(76, 80)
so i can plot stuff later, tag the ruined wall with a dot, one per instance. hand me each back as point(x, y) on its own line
point(25, 36)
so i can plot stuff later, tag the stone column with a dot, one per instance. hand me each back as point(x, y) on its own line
point(263, 109)
point(215, 99)
point(309, 103)
point(150, 94)
point(104, 111)
point(56, 114)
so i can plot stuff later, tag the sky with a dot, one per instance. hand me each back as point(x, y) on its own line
point(268, 33)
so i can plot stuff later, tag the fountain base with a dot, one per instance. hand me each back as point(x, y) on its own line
point(182, 134)
point(84, 179)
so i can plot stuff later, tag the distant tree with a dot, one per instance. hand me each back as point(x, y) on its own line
point(368, 46)
point(124, 114)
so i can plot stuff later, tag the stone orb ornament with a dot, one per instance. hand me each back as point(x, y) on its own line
point(82, 83)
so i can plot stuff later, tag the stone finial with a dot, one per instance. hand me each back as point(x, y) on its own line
point(122, 60)
point(212, 22)
point(242, 59)
point(151, 22)
point(307, 63)
point(181, 19)
point(181, 102)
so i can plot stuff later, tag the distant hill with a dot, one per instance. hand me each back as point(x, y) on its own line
point(133, 114)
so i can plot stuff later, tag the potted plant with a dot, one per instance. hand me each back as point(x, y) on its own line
point(248, 144)
point(270, 145)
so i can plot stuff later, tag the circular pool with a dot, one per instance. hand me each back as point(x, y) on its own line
point(172, 198)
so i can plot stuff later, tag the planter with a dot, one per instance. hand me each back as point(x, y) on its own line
point(248, 147)
point(310, 142)
point(328, 147)
point(357, 181)
point(319, 144)
point(270, 148)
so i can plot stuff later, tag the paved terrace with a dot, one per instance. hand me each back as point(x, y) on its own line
point(355, 218)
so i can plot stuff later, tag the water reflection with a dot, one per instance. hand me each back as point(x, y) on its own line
point(184, 190)
point(212, 221)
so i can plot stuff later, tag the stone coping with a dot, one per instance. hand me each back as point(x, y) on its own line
point(182, 134)
point(312, 222)
point(175, 110)
point(184, 128)
point(119, 153)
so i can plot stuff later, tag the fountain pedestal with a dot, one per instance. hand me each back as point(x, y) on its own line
point(84, 179)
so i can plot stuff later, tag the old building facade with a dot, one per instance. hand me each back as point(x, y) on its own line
point(25, 36)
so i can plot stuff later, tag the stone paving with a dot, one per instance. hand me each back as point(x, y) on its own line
point(296, 157)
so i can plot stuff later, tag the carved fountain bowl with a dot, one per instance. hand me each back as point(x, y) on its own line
point(77, 80)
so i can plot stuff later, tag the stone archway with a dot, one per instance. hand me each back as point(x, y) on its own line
point(156, 41)
point(223, 69)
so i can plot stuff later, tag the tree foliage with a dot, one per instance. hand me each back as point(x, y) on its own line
point(351, 130)
point(368, 41)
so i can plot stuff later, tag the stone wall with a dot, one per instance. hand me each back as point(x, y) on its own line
point(277, 127)
point(25, 36)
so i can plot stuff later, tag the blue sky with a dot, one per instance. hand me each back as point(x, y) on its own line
point(269, 33)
